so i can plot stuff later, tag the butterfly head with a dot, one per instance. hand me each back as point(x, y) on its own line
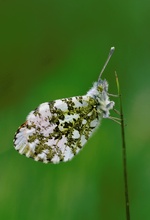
point(99, 92)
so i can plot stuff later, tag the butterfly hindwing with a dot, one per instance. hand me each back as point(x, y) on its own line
point(57, 130)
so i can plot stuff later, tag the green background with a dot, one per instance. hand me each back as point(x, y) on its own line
point(56, 49)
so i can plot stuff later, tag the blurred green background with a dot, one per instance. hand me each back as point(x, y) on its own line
point(56, 49)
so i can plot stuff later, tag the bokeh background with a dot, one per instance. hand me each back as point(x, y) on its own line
point(56, 49)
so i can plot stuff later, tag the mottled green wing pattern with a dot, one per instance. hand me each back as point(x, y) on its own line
point(57, 130)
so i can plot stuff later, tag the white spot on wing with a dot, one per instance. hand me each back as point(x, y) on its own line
point(68, 154)
point(77, 104)
point(42, 155)
point(51, 142)
point(32, 146)
point(76, 134)
point(61, 143)
point(94, 123)
point(59, 104)
point(55, 159)
point(83, 140)
point(69, 118)
point(44, 110)
point(84, 121)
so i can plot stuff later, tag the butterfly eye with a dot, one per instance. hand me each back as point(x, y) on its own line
point(100, 88)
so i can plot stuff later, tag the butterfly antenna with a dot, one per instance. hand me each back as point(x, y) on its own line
point(109, 56)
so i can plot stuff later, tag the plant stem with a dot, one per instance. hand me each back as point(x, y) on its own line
point(124, 153)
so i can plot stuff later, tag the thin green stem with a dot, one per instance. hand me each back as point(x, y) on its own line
point(124, 153)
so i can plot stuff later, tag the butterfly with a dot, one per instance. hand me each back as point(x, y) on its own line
point(57, 130)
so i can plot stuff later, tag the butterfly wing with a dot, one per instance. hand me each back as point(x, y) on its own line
point(57, 130)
